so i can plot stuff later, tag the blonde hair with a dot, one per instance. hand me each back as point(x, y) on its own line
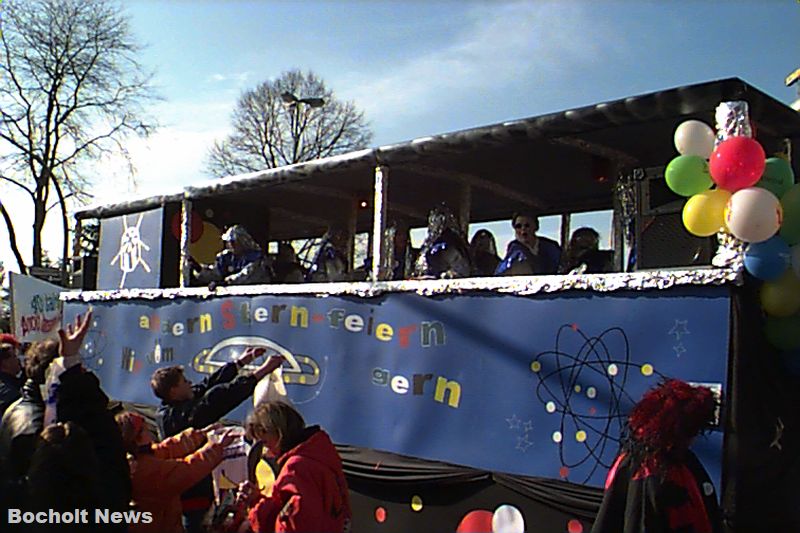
point(277, 418)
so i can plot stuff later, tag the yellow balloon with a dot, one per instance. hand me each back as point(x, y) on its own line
point(205, 249)
point(781, 298)
point(704, 213)
point(265, 477)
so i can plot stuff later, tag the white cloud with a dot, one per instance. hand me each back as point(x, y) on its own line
point(238, 79)
point(502, 45)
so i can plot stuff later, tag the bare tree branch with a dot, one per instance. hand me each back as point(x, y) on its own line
point(71, 91)
point(268, 133)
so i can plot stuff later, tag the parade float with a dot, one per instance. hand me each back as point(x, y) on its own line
point(476, 404)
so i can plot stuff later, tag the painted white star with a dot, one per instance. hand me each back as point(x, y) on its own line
point(679, 349)
point(513, 422)
point(527, 426)
point(523, 443)
point(679, 329)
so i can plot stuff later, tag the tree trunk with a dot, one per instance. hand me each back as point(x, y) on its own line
point(12, 239)
point(39, 214)
point(65, 227)
point(38, 224)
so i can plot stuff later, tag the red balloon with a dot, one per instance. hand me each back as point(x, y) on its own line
point(737, 162)
point(197, 226)
point(478, 521)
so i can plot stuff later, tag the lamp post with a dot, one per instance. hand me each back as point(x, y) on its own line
point(293, 102)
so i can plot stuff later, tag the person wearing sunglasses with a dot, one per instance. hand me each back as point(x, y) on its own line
point(529, 253)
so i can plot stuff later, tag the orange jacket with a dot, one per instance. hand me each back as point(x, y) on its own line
point(159, 478)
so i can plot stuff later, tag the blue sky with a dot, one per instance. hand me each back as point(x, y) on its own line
point(418, 68)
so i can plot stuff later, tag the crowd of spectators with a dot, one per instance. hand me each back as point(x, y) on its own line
point(64, 450)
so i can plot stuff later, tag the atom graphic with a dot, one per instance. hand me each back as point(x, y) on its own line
point(562, 380)
point(94, 345)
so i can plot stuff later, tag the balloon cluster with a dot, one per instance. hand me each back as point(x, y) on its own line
point(732, 187)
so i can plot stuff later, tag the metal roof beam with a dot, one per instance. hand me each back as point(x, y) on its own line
point(477, 182)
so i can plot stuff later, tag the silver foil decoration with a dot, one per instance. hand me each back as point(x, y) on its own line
point(389, 236)
point(440, 218)
point(625, 191)
point(730, 252)
point(733, 120)
point(513, 285)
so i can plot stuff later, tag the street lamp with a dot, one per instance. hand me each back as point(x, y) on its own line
point(291, 100)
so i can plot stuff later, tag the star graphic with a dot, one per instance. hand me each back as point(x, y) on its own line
point(513, 422)
point(527, 426)
point(679, 329)
point(523, 443)
point(679, 349)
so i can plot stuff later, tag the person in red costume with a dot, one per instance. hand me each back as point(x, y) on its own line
point(656, 484)
point(310, 492)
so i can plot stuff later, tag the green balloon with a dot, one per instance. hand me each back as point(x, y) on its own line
point(783, 333)
point(688, 175)
point(790, 227)
point(778, 176)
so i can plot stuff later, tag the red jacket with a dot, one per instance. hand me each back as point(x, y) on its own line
point(310, 493)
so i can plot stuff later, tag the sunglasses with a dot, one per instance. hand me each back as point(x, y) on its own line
point(520, 225)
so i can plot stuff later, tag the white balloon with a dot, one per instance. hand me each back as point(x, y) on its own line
point(507, 519)
point(796, 259)
point(694, 138)
point(753, 214)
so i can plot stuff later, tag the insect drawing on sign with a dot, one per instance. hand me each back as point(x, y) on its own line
point(130, 250)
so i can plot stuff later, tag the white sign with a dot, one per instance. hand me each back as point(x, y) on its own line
point(35, 308)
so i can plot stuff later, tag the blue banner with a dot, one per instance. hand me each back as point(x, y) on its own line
point(130, 251)
point(534, 386)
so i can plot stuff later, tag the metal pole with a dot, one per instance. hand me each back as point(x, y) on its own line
point(378, 270)
point(352, 222)
point(566, 222)
point(464, 209)
point(76, 253)
point(186, 238)
point(76, 243)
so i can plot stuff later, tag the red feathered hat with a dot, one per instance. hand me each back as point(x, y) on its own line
point(8, 338)
point(670, 415)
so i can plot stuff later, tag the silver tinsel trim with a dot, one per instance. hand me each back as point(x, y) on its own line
point(517, 285)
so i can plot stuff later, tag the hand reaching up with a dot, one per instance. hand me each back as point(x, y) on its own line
point(249, 355)
point(269, 366)
point(72, 339)
point(247, 493)
point(228, 438)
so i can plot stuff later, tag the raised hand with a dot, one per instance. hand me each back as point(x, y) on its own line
point(269, 366)
point(212, 427)
point(247, 493)
point(228, 438)
point(72, 339)
point(250, 354)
